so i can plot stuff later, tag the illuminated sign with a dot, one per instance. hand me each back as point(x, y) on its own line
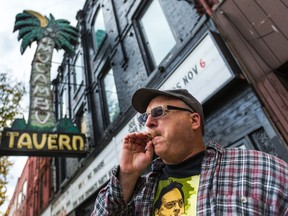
point(41, 111)
point(15, 142)
point(43, 135)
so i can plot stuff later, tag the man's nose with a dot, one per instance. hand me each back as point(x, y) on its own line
point(151, 122)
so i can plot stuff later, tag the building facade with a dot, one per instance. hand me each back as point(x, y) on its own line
point(125, 45)
point(32, 192)
point(162, 44)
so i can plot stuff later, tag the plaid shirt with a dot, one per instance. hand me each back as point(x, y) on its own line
point(233, 182)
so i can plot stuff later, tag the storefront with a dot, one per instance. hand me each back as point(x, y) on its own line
point(234, 117)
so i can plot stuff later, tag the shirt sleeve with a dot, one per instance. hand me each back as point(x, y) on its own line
point(110, 199)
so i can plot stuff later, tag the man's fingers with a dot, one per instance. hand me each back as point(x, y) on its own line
point(149, 150)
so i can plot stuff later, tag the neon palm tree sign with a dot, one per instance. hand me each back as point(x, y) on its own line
point(43, 135)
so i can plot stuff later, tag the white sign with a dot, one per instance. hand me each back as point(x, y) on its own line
point(91, 179)
point(202, 73)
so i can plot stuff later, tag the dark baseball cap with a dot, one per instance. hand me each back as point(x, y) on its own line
point(143, 96)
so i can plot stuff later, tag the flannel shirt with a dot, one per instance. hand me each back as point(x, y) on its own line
point(232, 182)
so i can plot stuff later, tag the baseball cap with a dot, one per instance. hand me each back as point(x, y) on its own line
point(143, 96)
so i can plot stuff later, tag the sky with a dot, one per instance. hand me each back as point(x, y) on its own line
point(18, 66)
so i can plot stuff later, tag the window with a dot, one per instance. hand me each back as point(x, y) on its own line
point(63, 108)
point(99, 29)
point(156, 33)
point(81, 122)
point(19, 200)
point(111, 96)
point(24, 189)
point(78, 71)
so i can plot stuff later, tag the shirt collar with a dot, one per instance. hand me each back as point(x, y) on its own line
point(158, 163)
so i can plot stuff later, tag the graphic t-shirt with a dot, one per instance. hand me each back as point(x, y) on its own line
point(177, 188)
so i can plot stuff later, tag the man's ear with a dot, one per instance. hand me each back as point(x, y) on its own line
point(196, 120)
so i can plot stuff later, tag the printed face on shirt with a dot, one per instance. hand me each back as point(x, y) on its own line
point(172, 204)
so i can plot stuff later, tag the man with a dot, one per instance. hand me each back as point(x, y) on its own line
point(215, 181)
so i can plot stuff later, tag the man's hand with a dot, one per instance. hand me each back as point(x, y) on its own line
point(136, 155)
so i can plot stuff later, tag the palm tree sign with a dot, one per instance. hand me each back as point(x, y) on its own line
point(49, 34)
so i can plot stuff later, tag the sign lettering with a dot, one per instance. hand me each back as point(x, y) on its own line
point(29, 143)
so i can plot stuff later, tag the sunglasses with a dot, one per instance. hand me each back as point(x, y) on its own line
point(158, 112)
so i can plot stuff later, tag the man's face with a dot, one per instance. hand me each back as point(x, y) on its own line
point(172, 204)
point(175, 137)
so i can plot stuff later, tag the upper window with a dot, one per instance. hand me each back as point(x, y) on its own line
point(81, 121)
point(24, 189)
point(64, 107)
point(111, 96)
point(157, 34)
point(99, 29)
point(78, 71)
point(19, 200)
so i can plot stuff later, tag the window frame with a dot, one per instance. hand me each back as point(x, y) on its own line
point(107, 121)
point(97, 46)
point(19, 199)
point(64, 103)
point(146, 51)
point(80, 118)
point(24, 189)
point(78, 84)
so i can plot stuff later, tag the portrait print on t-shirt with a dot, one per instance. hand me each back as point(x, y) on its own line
point(176, 196)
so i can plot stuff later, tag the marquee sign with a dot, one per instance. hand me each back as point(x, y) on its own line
point(16, 142)
point(203, 72)
point(43, 135)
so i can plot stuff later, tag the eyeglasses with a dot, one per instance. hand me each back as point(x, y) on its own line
point(158, 112)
